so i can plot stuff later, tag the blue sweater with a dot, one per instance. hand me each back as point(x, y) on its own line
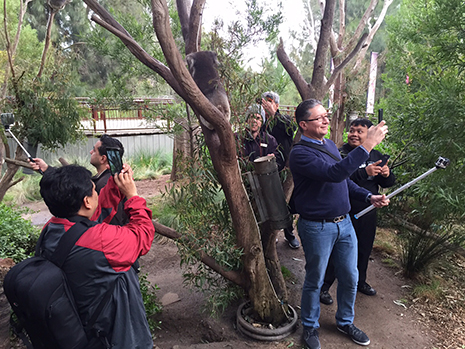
point(321, 184)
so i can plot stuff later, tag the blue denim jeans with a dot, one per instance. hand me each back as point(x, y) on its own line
point(319, 239)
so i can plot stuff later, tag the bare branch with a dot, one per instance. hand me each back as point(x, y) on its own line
point(183, 13)
point(371, 35)
point(233, 276)
point(340, 67)
point(195, 30)
point(105, 15)
point(342, 23)
point(142, 55)
point(18, 163)
point(51, 16)
point(362, 24)
point(319, 65)
point(13, 48)
point(300, 83)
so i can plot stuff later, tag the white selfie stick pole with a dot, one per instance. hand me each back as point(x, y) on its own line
point(440, 163)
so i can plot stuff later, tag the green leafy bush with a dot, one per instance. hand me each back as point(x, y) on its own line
point(18, 236)
point(151, 303)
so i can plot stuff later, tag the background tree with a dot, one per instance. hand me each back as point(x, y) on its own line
point(425, 110)
point(341, 46)
point(42, 104)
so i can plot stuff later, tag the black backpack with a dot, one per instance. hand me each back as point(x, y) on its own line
point(42, 301)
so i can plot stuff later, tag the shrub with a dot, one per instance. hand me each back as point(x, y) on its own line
point(18, 236)
point(151, 303)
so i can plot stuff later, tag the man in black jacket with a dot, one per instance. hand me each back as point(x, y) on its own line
point(370, 175)
point(282, 128)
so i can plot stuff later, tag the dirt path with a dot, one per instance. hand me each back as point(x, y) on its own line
point(388, 325)
point(184, 326)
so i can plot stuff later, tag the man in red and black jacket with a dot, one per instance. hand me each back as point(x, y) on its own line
point(102, 257)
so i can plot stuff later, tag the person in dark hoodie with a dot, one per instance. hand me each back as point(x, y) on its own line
point(371, 175)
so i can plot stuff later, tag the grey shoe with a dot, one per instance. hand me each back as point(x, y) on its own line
point(356, 334)
point(310, 338)
point(294, 243)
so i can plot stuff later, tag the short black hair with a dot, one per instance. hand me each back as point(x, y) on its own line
point(109, 142)
point(302, 112)
point(64, 188)
point(361, 122)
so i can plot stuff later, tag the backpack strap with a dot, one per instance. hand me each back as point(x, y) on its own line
point(318, 147)
point(68, 240)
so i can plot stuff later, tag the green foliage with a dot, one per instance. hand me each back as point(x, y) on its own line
point(421, 249)
point(25, 191)
point(431, 291)
point(45, 109)
point(151, 303)
point(425, 111)
point(18, 236)
point(147, 165)
point(203, 218)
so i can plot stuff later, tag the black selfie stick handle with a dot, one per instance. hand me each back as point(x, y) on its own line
point(39, 170)
point(380, 115)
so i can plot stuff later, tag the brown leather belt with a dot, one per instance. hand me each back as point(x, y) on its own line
point(330, 220)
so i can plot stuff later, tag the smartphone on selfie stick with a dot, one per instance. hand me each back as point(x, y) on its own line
point(115, 160)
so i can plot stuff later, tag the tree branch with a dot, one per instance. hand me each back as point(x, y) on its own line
point(195, 97)
point(346, 61)
point(319, 64)
point(51, 16)
point(233, 276)
point(372, 33)
point(362, 24)
point(192, 44)
point(183, 13)
point(305, 90)
point(141, 54)
point(18, 163)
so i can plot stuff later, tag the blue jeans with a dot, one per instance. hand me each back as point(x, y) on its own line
point(319, 239)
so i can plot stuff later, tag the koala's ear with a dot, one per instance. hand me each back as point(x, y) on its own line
point(215, 58)
point(190, 60)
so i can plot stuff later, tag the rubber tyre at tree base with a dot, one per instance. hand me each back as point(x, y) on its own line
point(265, 334)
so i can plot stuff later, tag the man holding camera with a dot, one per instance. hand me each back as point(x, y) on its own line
point(98, 159)
point(101, 260)
point(282, 129)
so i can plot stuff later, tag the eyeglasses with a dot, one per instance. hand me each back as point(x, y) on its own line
point(320, 117)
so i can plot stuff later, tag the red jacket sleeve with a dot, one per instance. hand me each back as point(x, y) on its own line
point(122, 245)
point(108, 201)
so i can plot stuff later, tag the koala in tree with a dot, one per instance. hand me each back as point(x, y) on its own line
point(203, 67)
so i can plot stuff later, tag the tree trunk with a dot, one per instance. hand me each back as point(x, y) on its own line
point(264, 300)
point(11, 169)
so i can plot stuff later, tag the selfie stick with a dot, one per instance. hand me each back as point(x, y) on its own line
point(440, 163)
point(6, 118)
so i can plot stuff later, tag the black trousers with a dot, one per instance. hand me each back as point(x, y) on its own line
point(365, 228)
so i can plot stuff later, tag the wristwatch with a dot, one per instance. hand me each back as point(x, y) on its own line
point(368, 199)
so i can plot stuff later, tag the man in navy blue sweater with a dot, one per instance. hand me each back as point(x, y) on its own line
point(321, 196)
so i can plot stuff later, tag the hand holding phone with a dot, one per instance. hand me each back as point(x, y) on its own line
point(384, 160)
point(114, 160)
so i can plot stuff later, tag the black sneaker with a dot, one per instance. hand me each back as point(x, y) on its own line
point(366, 289)
point(356, 334)
point(294, 243)
point(310, 338)
point(326, 298)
